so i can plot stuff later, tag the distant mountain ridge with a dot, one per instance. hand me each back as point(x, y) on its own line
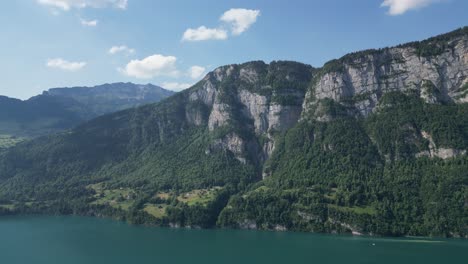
point(107, 98)
point(63, 108)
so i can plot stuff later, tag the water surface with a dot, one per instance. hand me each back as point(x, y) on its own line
point(82, 240)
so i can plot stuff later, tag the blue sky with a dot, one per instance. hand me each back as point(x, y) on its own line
point(173, 43)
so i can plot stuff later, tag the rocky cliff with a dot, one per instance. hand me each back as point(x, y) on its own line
point(257, 98)
point(436, 68)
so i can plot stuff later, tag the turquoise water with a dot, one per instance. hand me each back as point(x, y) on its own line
point(70, 240)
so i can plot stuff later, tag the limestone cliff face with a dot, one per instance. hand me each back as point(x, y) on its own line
point(251, 102)
point(437, 68)
point(256, 98)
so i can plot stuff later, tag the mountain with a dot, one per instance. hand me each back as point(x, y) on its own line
point(108, 98)
point(374, 142)
point(59, 109)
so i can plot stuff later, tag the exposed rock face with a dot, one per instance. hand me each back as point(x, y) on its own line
point(205, 95)
point(354, 230)
point(280, 228)
point(256, 107)
point(233, 143)
point(365, 77)
point(249, 74)
point(283, 117)
point(219, 116)
point(252, 104)
point(194, 117)
point(248, 224)
point(269, 116)
point(434, 151)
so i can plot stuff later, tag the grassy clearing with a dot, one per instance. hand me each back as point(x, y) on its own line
point(201, 196)
point(163, 195)
point(121, 198)
point(156, 210)
point(7, 206)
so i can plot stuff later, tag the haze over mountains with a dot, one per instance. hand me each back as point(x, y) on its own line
point(374, 142)
point(63, 108)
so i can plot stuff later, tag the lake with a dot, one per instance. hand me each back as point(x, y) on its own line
point(70, 240)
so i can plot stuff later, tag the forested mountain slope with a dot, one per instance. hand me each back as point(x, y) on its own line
point(374, 142)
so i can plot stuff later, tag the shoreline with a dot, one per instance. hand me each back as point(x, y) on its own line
point(408, 238)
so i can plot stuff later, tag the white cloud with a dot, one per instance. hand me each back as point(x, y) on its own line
point(399, 7)
point(240, 19)
point(175, 86)
point(89, 23)
point(152, 66)
point(196, 71)
point(119, 49)
point(204, 33)
point(122, 4)
point(62, 64)
point(69, 4)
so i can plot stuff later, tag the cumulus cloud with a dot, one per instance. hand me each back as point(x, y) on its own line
point(69, 4)
point(152, 66)
point(399, 7)
point(240, 19)
point(175, 86)
point(65, 65)
point(204, 33)
point(196, 71)
point(88, 23)
point(121, 49)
